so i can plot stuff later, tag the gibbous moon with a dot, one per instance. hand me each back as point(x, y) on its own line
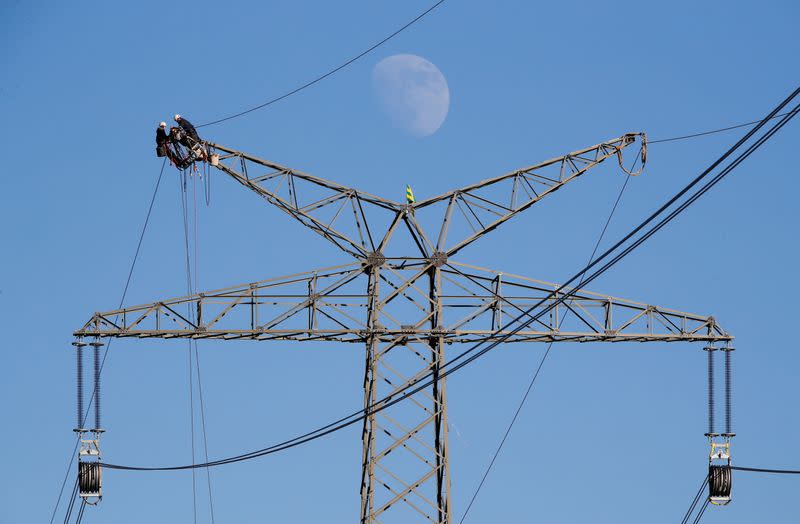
point(412, 92)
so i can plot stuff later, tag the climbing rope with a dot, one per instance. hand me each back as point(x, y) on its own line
point(190, 230)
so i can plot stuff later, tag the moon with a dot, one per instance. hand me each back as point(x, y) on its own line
point(412, 92)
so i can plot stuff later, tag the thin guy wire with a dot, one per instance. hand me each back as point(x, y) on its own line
point(203, 421)
point(124, 292)
point(713, 131)
point(196, 356)
point(390, 401)
point(544, 357)
point(193, 347)
point(329, 73)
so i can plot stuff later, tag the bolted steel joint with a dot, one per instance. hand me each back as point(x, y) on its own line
point(375, 259)
point(438, 259)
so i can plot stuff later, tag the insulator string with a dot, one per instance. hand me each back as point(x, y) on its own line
point(79, 381)
point(728, 390)
point(96, 346)
point(710, 350)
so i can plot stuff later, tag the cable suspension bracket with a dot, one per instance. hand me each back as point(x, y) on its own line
point(628, 139)
point(89, 455)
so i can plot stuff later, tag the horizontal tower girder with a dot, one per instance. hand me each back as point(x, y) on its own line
point(331, 304)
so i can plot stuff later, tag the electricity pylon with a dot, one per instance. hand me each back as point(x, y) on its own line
point(406, 298)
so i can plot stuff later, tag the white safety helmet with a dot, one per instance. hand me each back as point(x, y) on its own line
point(162, 124)
point(177, 117)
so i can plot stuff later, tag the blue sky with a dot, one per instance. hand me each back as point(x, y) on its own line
point(610, 433)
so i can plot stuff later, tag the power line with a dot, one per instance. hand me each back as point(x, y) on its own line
point(329, 73)
point(701, 512)
point(695, 500)
point(767, 470)
point(122, 299)
point(713, 131)
point(72, 502)
point(561, 294)
point(80, 513)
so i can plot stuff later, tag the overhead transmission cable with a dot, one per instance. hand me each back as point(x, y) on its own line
point(767, 470)
point(71, 506)
point(702, 511)
point(561, 294)
point(329, 73)
point(535, 375)
point(80, 513)
point(108, 347)
point(695, 500)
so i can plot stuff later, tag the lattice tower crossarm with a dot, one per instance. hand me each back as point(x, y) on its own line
point(406, 307)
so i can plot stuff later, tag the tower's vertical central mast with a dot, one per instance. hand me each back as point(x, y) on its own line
point(439, 398)
point(370, 391)
point(405, 470)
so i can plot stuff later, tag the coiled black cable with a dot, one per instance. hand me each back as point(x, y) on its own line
point(89, 478)
point(720, 481)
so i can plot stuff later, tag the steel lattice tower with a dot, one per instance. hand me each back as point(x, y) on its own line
point(406, 298)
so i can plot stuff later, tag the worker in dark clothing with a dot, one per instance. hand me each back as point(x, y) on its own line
point(193, 141)
point(164, 145)
point(188, 128)
point(161, 138)
point(161, 134)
